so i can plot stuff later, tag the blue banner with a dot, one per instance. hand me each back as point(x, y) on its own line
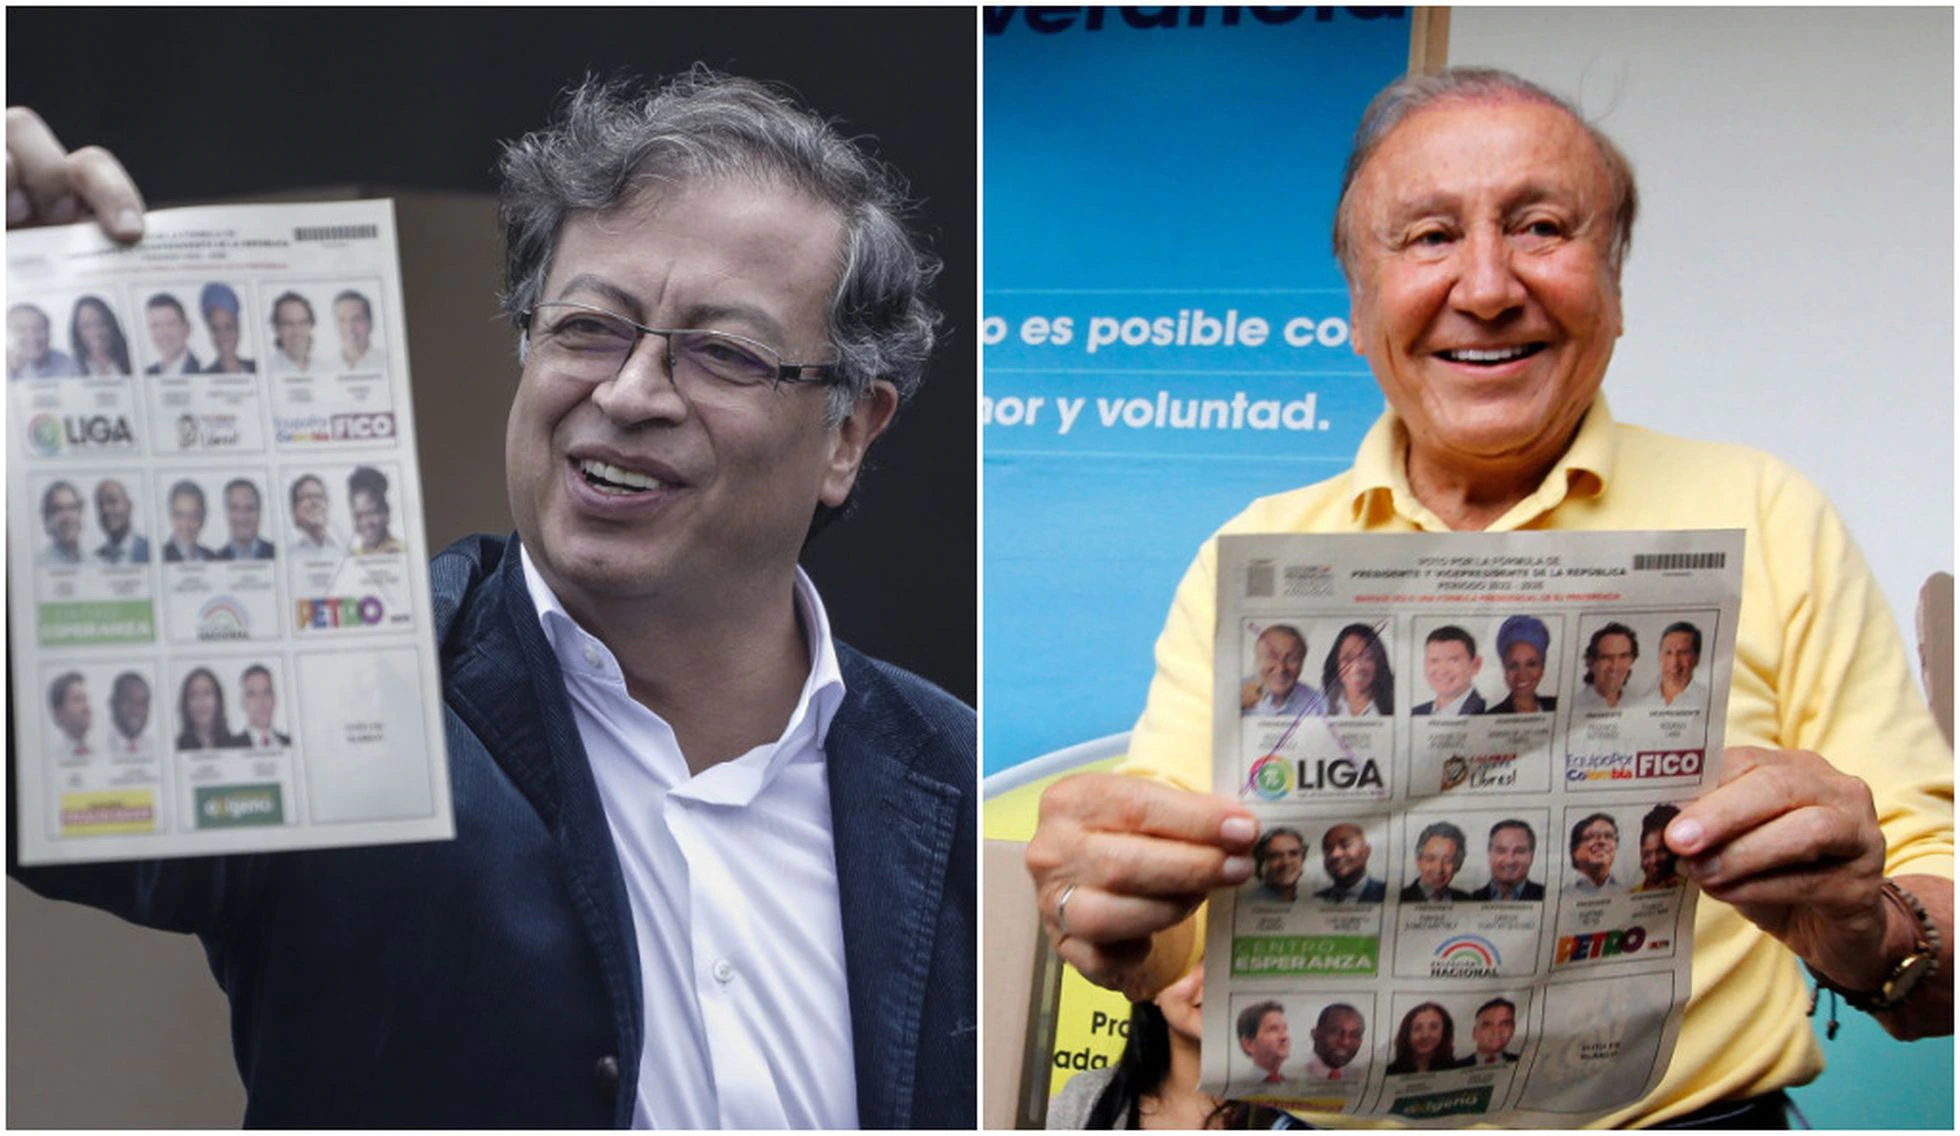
point(1166, 330)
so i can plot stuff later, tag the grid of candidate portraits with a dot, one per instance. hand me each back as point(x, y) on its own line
point(174, 571)
point(1507, 778)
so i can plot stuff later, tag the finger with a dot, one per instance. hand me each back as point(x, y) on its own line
point(1800, 840)
point(18, 210)
point(1738, 760)
point(108, 191)
point(1758, 786)
point(1826, 887)
point(1110, 965)
point(1103, 917)
point(41, 166)
point(1112, 802)
point(1149, 865)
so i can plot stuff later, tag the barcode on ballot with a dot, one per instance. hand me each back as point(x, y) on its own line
point(336, 233)
point(1678, 561)
point(1259, 579)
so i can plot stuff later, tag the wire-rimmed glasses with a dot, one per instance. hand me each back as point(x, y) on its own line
point(592, 344)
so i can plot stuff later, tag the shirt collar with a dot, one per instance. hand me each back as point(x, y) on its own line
point(581, 653)
point(1380, 480)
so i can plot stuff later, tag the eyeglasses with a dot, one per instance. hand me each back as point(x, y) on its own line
point(592, 345)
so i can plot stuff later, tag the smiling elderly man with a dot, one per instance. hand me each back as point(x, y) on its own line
point(712, 868)
point(1482, 228)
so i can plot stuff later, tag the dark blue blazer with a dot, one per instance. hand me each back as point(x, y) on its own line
point(493, 980)
point(1531, 892)
point(1471, 705)
point(261, 550)
point(1374, 891)
point(139, 549)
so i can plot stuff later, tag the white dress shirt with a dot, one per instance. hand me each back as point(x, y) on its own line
point(1302, 699)
point(1693, 696)
point(1588, 697)
point(1581, 884)
point(732, 877)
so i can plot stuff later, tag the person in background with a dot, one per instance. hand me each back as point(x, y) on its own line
point(242, 509)
point(1660, 868)
point(292, 334)
point(1425, 1042)
point(1496, 1024)
point(1609, 663)
point(1280, 652)
point(1153, 1083)
point(61, 516)
point(170, 335)
point(30, 347)
point(354, 319)
point(1522, 641)
point(220, 307)
point(129, 711)
point(1344, 853)
point(309, 504)
point(1337, 1036)
point(96, 338)
point(255, 686)
point(201, 709)
point(1449, 664)
point(367, 497)
point(68, 700)
point(1356, 679)
point(1278, 859)
point(186, 524)
point(1595, 843)
point(114, 511)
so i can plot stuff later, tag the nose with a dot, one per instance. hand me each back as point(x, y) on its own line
point(645, 390)
point(1487, 286)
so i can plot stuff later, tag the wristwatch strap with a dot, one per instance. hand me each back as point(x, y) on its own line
point(1904, 975)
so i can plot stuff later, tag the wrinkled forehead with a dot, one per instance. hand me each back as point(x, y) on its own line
point(1282, 638)
point(1453, 145)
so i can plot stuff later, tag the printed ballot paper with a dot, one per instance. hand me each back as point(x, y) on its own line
point(220, 626)
point(1462, 749)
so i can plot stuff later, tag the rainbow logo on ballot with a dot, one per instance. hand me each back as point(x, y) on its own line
point(1464, 956)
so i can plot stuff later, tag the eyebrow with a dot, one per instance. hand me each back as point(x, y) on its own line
point(1440, 201)
point(761, 324)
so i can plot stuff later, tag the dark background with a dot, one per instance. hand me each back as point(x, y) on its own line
point(245, 103)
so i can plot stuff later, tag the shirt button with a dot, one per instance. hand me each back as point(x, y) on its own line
point(724, 970)
point(592, 656)
point(605, 1074)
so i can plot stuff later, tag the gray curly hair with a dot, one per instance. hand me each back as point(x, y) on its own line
point(613, 137)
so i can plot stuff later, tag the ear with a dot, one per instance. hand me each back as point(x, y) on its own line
point(1357, 325)
point(852, 437)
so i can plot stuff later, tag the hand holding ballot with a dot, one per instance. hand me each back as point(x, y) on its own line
point(47, 185)
point(1119, 865)
point(1794, 845)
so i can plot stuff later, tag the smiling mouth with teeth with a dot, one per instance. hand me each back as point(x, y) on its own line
point(1489, 356)
point(608, 478)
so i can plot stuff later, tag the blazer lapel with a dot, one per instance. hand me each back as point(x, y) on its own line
point(502, 680)
point(894, 829)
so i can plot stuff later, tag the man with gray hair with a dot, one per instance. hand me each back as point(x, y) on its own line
point(1483, 226)
point(713, 868)
point(31, 353)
